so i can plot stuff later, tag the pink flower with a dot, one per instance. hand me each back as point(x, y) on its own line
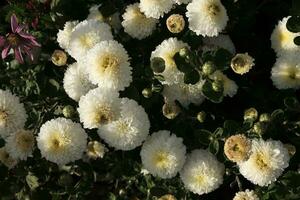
point(18, 40)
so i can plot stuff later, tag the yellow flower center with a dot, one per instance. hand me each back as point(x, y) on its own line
point(58, 142)
point(123, 127)
point(86, 41)
point(3, 117)
point(161, 159)
point(261, 161)
point(108, 64)
point(199, 179)
point(104, 115)
point(213, 9)
point(284, 36)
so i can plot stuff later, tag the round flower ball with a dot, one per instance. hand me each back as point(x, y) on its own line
point(86, 35)
point(166, 50)
point(63, 36)
point(98, 107)
point(246, 195)
point(136, 24)
point(129, 130)
point(282, 40)
point(237, 148)
point(202, 173)
point(20, 144)
point(156, 8)
point(267, 161)
point(206, 17)
point(285, 73)
point(76, 81)
point(12, 113)
point(163, 154)
point(108, 65)
point(62, 141)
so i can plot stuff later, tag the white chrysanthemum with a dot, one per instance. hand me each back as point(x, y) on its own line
point(63, 36)
point(202, 172)
point(163, 154)
point(156, 8)
point(12, 113)
point(129, 130)
point(179, 2)
point(206, 17)
point(267, 161)
point(20, 144)
point(220, 41)
point(246, 195)
point(184, 93)
point(86, 35)
point(62, 141)
point(283, 40)
point(136, 24)
point(76, 81)
point(95, 150)
point(108, 65)
point(98, 107)
point(6, 159)
point(166, 50)
point(230, 87)
point(94, 13)
point(286, 72)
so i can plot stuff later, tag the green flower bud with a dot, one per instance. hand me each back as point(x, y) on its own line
point(259, 128)
point(217, 86)
point(208, 68)
point(291, 149)
point(250, 114)
point(147, 92)
point(158, 65)
point(59, 58)
point(265, 117)
point(170, 110)
point(184, 52)
point(68, 111)
point(201, 116)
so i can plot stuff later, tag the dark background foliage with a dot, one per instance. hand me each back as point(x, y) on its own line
point(117, 175)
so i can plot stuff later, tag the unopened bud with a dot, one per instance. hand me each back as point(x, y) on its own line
point(184, 52)
point(217, 86)
point(265, 117)
point(170, 110)
point(59, 58)
point(201, 116)
point(208, 68)
point(68, 111)
point(242, 63)
point(259, 128)
point(291, 149)
point(147, 92)
point(95, 150)
point(250, 114)
point(175, 23)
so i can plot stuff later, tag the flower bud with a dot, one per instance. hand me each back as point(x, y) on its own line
point(68, 111)
point(291, 149)
point(201, 116)
point(59, 58)
point(158, 65)
point(208, 68)
point(217, 86)
point(147, 92)
point(95, 150)
point(175, 23)
point(242, 63)
point(250, 114)
point(237, 148)
point(184, 52)
point(265, 117)
point(167, 197)
point(259, 128)
point(170, 110)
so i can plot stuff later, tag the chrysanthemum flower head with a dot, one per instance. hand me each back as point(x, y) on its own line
point(286, 72)
point(136, 24)
point(86, 35)
point(12, 113)
point(76, 81)
point(108, 65)
point(20, 144)
point(242, 63)
point(95, 150)
point(163, 154)
point(175, 23)
point(267, 161)
point(129, 130)
point(246, 195)
point(282, 39)
point(61, 141)
point(237, 148)
point(166, 50)
point(98, 107)
point(155, 8)
point(6, 159)
point(202, 172)
point(206, 17)
point(63, 36)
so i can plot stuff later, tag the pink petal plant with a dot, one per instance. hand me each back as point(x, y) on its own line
point(18, 40)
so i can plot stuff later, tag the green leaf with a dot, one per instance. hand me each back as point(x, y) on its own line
point(278, 115)
point(297, 40)
point(182, 64)
point(291, 103)
point(210, 93)
point(293, 24)
point(203, 136)
point(54, 83)
point(158, 65)
point(32, 181)
point(222, 59)
point(218, 132)
point(214, 147)
point(191, 77)
point(230, 127)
